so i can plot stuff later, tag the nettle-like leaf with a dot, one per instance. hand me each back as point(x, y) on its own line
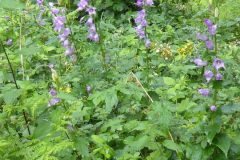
point(134, 144)
point(213, 129)
point(172, 145)
point(11, 96)
point(223, 142)
point(160, 115)
point(109, 96)
point(185, 105)
point(111, 100)
point(82, 145)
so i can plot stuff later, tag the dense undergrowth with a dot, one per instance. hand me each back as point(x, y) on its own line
point(79, 83)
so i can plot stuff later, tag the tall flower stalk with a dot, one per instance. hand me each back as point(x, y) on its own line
point(59, 21)
point(93, 35)
point(141, 21)
point(83, 5)
point(213, 74)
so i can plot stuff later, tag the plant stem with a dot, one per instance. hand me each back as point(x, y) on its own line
point(138, 82)
point(16, 85)
point(68, 137)
point(26, 121)
point(10, 65)
point(20, 46)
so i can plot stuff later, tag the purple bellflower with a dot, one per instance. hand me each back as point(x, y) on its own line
point(91, 10)
point(208, 75)
point(40, 2)
point(88, 88)
point(54, 101)
point(212, 29)
point(204, 92)
point(53, 92)
point(218, 63)
point(149, 2)
point(213, 108)
point(82, 4)
point(209, 44)
point(218, 77)
point(9, 42)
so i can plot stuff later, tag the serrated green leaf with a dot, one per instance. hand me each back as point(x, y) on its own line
point(43, 128)
point(82, 145)
point(97, 139)
point(231, 108)
point(66, 96)
point(111, 100)
point(171, 145)
point(11, 96)
point(223, 142)
point(185, 105)
point(169, 81)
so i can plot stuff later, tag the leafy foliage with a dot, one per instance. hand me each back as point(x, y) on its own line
point(119, 99)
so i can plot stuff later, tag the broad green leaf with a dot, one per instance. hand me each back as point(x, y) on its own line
point(160, 115)
point(169, 81)
point(212, 129)
point(97, 139)
point(171, 145)
point(29, 51)
point(231, 108)
point(185, 105)
point(11, 96)
point(42, 130)
point(66, 96)
point(137, 143)
point(82, 145)
point(223, 142)
point(111, 100)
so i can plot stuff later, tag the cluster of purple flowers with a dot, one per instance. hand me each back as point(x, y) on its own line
point(92, 32)
point(64, 33)
point(141, 3)
point(54, 101)
point(141, 21)
point(208, 74)
point(217, 63)
point(212, 30)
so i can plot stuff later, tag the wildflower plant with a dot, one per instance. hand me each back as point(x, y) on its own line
point(143, 101)
point(59, 24)
point(141, 21)
point(211, 73)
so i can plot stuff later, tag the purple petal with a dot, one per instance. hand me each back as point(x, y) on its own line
point(199, 62)
point(209, 44)
point(202, 37)
point(218, 77)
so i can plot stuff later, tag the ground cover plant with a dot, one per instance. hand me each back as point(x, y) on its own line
point(119, 80)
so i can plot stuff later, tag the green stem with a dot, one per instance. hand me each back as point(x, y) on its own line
point(10, 65)
point(16, 85)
